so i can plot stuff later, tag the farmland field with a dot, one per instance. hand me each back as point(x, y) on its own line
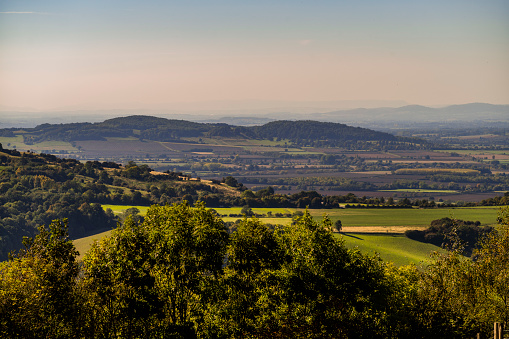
point(258, 163)
point(391, 247)
point(84, 244)
point(420, 190)
point(436, 171)
point(351, 217)
point(366, 217)
point(236, 210)
point(45, 146)
point(272, 221)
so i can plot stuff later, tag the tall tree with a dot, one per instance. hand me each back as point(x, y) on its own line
point(463, 296)
point(38, 290)
point(149, 279)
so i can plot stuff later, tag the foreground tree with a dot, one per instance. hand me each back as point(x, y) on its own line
point(149, 279)
point(38, 291)
point(237, 307)
point(492, 273)
point(300, 281)
point(463, 296)
point(120, 285)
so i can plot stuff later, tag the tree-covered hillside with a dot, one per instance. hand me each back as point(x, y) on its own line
point(38, 188)
point(160, 129)
point(315, 130)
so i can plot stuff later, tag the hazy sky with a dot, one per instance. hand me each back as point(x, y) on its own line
point(126, 54)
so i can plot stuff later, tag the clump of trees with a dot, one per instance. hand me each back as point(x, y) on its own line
point(470, 294)
point(448, 232)
point(179, 274)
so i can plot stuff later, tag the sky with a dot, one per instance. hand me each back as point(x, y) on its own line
point(155, 54)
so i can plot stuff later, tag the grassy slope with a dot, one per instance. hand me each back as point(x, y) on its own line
point(84, 244)
point(391, 247)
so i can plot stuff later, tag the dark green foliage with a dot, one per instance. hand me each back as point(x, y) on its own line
point(314, 130)
point(338, 225)
point(179, 275)
point(230, 181)
point(39, 295)
point(463, 297)
point(152, 275)
point(496, 201)
point(446, 231)
point(227, 131)
point(301, 282)
point(38, 188)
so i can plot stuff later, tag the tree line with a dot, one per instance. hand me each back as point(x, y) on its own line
point(161, 129)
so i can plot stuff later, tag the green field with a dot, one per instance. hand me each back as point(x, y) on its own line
point(40, 146)
point(354, 217)
point(351, 217)
point(273, 221)
point(391, 247)
point(236, 210)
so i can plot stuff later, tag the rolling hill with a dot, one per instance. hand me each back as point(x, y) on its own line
point(161, 129)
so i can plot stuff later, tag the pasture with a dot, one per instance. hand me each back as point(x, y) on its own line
point(408, 217)
point(382, 219)
point(391, 247)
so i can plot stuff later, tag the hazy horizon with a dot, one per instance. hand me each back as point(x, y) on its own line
point(200, 55)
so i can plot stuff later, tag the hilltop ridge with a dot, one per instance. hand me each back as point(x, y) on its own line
point(162, 129)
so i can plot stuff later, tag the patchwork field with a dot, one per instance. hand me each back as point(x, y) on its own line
point(258, 163)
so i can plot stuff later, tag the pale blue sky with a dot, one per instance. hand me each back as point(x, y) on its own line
point(132, 54)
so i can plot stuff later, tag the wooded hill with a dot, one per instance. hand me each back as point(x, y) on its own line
point(38, 188)
point(161, 129)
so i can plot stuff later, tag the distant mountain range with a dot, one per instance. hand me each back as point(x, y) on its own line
point(416, 113)
point(365, 117)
